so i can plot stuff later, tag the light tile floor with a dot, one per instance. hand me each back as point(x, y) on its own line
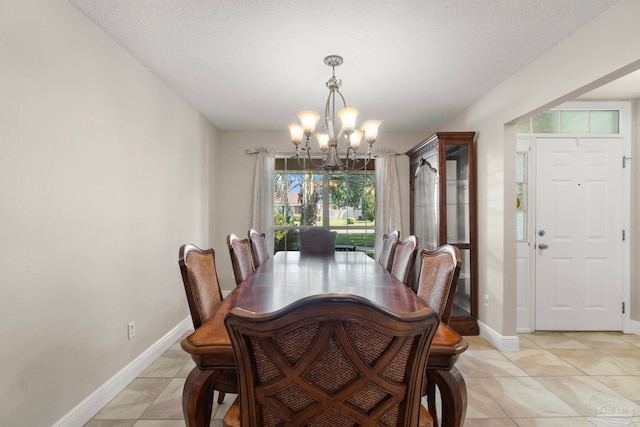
point(555, 380)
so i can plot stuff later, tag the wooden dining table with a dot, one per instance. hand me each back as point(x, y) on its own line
point(288, 277)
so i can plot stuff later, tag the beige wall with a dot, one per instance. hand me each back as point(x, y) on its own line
point(235, 176)
point(103, 175)
point(593, 55)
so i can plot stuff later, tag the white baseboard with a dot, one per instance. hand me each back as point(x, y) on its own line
point(635, 327)
point(500, 342)
point(512, 343)
point(90, 406)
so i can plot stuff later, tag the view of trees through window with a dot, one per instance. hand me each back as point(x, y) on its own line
point(309, 197)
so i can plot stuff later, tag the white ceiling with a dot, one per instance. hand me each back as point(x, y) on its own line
point(250, 64)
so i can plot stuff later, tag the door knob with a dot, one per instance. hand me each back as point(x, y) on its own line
point(542, 246)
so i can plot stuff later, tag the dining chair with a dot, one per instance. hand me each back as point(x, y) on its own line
point(438, 278)
point(200, 279)
point(388, 245)
point(330, 360)
point(240, 252)
point(317, 241)
point(437, 282)
point(259, 252)
point(404, 256)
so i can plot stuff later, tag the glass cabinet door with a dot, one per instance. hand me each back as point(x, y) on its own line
point(457, 175)
point(462, 299)
point(458, 215)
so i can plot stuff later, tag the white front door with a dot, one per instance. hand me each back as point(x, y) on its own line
point(578, 233)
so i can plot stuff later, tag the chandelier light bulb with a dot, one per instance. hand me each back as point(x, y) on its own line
point(355, 138)
point(296, 133)
point(348, 117)
point(308, 119)
point(370, 128)
point(323, 141)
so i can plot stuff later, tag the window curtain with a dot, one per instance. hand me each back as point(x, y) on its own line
point(388, 217)
point(263, 191)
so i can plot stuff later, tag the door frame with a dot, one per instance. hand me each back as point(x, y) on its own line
point(624, 107)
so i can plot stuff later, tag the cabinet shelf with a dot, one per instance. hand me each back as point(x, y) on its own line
point(447, 214)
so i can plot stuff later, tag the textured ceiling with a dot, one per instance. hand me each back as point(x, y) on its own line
point(250, 64)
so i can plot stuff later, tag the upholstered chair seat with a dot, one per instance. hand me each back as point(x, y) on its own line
point(404, 259)
point(317, 241)
point(388, 245)
point(240, 252)
point(259, 251)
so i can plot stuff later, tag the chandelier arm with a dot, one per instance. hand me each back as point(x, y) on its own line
point(328, 116)
point(341, 132)
point(349, 158)
point(333, 92)
point(338, 134)
point(314, 164)
point(344, 103)
point(330, 112)
point(363, 167)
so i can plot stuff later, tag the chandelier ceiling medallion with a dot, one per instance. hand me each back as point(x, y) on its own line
point(331, 139)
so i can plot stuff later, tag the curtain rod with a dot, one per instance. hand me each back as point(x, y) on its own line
point(254, 152)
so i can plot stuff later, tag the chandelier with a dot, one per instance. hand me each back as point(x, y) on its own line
point(332, 139)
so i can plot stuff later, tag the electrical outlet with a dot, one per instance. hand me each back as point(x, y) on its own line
point(132, 329)
point(486, 300)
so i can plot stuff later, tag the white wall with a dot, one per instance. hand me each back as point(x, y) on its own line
point(235, 176)
point(597, 53)
point(103, 175)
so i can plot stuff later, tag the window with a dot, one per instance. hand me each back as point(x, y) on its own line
point(341, 201)
point(521, 196)
point(572, 121)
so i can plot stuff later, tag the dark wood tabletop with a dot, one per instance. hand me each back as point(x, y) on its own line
point(288, 277)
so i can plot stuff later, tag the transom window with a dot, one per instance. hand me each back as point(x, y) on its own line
point(572, 121)
point(341, 201)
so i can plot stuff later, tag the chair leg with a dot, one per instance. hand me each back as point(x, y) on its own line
point(220, 397)
point(454, 396)
point(197, 397)
point(431, 399)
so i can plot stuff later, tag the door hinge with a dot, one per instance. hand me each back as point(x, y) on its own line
point(623, 307)
point(624, 235)
point(624, 161)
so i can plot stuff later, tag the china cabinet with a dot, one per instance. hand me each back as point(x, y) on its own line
point(443, 210)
